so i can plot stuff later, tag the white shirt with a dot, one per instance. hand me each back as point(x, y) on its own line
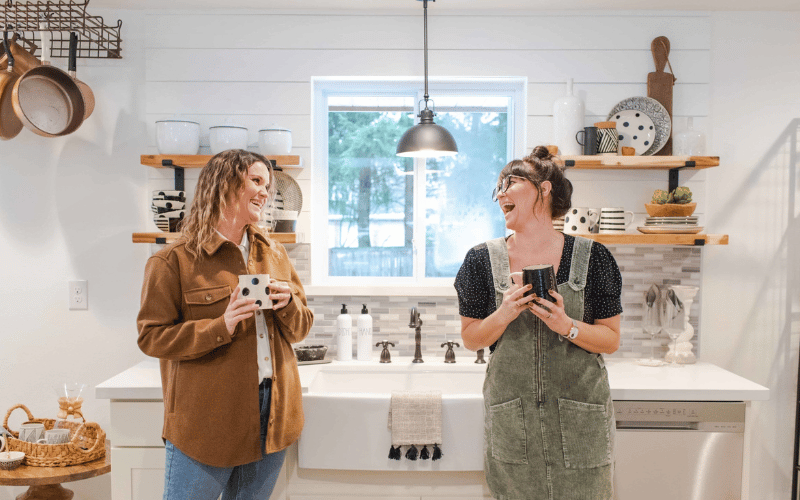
point(262, 332)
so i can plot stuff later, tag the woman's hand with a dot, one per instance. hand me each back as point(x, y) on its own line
point(556, 318)
point(281, 293)
point(239, 308)
point(514, 302)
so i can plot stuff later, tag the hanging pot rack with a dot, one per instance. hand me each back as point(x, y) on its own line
point(96, 39)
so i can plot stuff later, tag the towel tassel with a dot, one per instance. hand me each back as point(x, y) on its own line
point(424, 454)
point(394, 453)
point(411, 454)
point(437, 452)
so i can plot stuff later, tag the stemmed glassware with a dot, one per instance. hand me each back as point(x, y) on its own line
point(672, 322)
point(651, 322)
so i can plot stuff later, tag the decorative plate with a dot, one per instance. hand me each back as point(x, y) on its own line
point(657, 114)
point(635, 129)
point(288, 195)
point(669, 230)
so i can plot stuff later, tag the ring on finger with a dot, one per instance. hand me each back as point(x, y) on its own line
point(549, 315)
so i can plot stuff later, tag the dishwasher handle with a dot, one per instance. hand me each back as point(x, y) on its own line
point(656, 426)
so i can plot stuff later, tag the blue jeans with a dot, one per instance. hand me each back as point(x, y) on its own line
point(188, 479)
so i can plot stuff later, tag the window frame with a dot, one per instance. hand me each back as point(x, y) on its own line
point(323, 87)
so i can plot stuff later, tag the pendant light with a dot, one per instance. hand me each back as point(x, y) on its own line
point(426, 139)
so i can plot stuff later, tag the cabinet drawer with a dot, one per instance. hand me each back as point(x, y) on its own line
point(136, 423)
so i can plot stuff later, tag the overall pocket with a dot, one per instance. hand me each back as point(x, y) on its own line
point(508, 439)
point(584, 434)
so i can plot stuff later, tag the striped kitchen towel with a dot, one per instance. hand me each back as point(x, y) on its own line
point(415, 418)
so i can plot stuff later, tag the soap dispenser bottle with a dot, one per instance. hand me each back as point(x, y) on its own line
point(364, 323)
point(344, 336)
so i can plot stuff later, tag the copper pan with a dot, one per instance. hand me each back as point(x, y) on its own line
point(10, 125)
point(23, 59)
point(86, 91)
point(46, 99)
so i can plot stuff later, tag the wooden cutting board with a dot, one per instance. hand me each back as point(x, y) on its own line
point(660, 83)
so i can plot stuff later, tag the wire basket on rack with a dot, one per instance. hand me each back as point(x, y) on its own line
point(87, 442)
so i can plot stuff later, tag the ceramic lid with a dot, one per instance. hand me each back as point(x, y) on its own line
point(227, 126)
point(274, 130)
point(176, 121)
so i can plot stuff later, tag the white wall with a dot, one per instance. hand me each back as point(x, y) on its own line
point(751, 288)
point(67, 209)
point(255, 68)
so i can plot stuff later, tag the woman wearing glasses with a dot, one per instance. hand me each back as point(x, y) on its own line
point(549, 418)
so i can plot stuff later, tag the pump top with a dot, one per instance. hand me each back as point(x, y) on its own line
point(344, 308)
point(364, 309)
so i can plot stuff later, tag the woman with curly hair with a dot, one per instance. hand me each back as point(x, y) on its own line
point(549, 417)
point(232, 399)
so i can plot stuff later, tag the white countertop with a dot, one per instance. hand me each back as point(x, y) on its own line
point(629, 381)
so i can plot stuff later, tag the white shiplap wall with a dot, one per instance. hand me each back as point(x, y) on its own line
point(255, 69)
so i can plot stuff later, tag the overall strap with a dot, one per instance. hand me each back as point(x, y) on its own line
point(501, 272)
point(579, 268)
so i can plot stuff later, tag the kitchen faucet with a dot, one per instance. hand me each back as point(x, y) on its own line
point(416, 323)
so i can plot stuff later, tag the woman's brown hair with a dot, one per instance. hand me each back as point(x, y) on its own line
point(221, 179)
point(537, 167)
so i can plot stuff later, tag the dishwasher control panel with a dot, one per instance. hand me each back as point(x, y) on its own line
point(709, 416)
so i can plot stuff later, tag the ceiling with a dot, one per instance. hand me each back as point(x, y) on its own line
point(452, 6)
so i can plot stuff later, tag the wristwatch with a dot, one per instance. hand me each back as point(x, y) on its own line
point(573, 332)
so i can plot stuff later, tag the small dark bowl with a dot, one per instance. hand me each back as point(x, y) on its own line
point(310, 352)
point(285, 226)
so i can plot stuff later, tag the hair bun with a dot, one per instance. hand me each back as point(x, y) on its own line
point(541, 152)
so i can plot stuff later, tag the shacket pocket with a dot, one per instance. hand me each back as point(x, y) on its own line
point(507, 431)
point(585, 436)
point(206, 303)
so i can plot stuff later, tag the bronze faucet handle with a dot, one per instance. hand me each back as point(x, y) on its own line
point(480, 360)
point(386, 356)
point(450, 356)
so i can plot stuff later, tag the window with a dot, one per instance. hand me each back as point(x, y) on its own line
point(379, 219)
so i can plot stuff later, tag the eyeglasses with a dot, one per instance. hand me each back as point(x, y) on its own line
point(503, 185)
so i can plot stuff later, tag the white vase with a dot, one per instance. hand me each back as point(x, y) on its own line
point(689, 142)
point(568, 115)
point(683, 346)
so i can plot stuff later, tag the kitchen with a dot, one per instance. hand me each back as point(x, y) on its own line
point(745, 104)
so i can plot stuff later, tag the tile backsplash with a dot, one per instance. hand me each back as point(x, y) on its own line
point(640, 266)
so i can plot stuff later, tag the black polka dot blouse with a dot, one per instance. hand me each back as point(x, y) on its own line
point(475, 286)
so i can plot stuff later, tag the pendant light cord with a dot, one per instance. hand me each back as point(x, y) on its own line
point(425, 10)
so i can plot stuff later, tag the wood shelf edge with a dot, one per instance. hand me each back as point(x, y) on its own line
point(642, 162)
point(660, 239)
point(198, 161)
point(170, 237)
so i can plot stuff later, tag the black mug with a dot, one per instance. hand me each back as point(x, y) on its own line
point(590, 140)
point(542, 279)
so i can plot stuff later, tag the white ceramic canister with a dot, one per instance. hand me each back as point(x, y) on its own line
point(568, 116)
point(224, 137)
point(177, 137)
point(275, 141)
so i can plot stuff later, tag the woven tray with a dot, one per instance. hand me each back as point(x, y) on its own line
point(87, 443)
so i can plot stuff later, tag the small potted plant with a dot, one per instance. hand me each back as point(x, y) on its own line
point(677, 203)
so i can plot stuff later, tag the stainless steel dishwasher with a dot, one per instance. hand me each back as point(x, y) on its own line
point(687, 450)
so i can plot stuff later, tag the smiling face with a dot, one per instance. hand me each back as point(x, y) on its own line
point(521, 203)
point(246, 209)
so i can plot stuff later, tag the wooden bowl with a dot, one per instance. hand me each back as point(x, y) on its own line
point(670, 209)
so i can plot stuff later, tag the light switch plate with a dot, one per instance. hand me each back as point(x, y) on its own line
point(78, 295)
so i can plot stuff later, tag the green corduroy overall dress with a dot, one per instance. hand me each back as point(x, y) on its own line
point(549, 420)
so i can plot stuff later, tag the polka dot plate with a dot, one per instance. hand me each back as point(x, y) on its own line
point(657, 114)
point(635, 129)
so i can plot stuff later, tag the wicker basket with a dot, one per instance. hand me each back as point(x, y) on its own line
point(88, 434)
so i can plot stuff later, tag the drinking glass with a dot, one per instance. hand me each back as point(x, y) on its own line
point(672, 322)
point(651, 323)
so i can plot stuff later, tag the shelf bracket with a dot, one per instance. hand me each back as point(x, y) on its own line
point(674, 176)
point(699, 242)
point(179, 174)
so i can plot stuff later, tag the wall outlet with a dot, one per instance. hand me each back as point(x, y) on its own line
point(78, 294)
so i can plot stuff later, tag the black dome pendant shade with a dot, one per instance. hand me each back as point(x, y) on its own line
point(426, 139)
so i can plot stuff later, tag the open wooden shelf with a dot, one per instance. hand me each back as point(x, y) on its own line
point(641, 162)
point(659, 239)
point(164, 238)
point(199, 161)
